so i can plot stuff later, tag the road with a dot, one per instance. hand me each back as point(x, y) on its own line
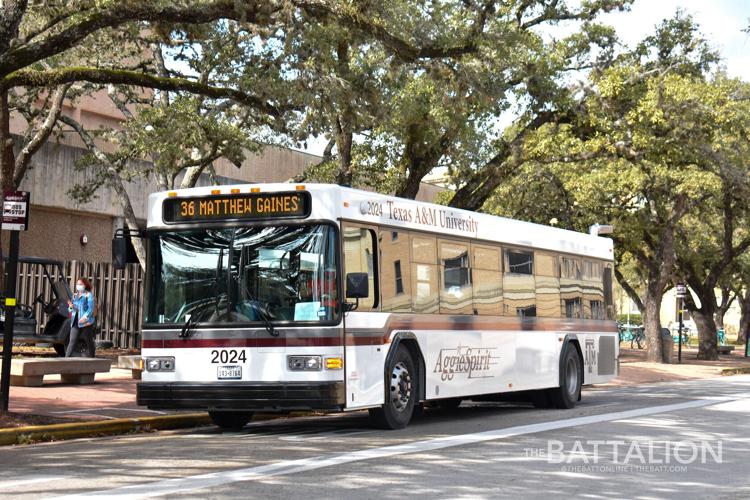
point(673, 440)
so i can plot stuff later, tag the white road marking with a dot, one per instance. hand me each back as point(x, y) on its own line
point(215, 479)
point(30, 480)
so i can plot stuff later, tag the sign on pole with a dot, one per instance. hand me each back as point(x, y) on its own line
point(681, 289)
point(15, 219)
point(16, 211)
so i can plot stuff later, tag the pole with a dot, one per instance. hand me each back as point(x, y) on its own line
point(10, 308)
point(679, 333)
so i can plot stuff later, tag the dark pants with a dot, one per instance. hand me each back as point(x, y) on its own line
point(87, 335)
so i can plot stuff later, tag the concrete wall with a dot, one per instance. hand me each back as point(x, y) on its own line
point(56, 234)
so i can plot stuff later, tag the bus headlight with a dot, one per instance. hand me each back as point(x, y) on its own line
point(160, 364)
point(304, 363)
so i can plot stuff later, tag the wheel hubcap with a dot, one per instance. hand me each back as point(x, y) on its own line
point(400, 387)
point(571, 376)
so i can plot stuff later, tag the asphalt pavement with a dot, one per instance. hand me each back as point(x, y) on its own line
point(686, 439)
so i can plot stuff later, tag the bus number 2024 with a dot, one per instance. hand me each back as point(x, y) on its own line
point(228, 356)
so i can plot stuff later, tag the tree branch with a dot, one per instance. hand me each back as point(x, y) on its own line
point(32, 146)
point(34, 78)
point(115, 181)
point(118, 13)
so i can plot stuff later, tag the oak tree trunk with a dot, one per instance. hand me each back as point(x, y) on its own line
point(652, 322)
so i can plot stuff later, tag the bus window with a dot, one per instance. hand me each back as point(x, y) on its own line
point(359, 257)
point(519, 286)
point(608, 292)
point(424, 273)
point(455, 293)
point(395, 282)
point(593, 291)
point(571, 290)
point(487, 280)
point(547, 285)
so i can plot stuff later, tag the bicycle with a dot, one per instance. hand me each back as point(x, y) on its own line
point(639, 339)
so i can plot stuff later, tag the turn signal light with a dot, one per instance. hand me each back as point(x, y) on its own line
point(334, 363)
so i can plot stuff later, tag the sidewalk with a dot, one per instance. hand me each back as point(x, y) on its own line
point(111, 396)
point(634, 369)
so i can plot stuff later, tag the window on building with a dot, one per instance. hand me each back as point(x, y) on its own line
point(519, 287)
point(547, 285)
point(424, 274)
point(397, 276)
point(573, 308)
point(395, 279)
point(456, 292)
point(597, 309)
point(525, 312)
point(487, 280)
point(520, 262)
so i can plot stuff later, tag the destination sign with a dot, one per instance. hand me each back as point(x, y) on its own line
point(233, 207)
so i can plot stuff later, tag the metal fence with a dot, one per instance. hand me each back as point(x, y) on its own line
point(118, 292)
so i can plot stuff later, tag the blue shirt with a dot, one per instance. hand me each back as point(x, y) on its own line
point(83, 309)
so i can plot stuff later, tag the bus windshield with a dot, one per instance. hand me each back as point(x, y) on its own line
point(241, 274)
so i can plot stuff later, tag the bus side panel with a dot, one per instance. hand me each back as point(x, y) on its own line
point(466, 363)
point(364, 376)
point(537, 359)
point(365, 359)
point(600, 355)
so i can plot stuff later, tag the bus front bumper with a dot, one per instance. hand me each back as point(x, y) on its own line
point(270, 396)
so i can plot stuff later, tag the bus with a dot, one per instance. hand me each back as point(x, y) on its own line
point(281, 297)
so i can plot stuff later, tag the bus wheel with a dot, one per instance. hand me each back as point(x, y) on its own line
point(401, 386)
point(230, 420)
point(59, 349)
point(569, 391)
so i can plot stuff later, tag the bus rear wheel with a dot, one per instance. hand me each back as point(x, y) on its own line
point(401, 392)
point(571, 379)
point(230, 420)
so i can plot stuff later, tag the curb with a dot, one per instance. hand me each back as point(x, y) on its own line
point(739, 370)
point(30, 434)
point(74, 430)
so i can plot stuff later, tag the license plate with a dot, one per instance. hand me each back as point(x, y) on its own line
point(229, 372)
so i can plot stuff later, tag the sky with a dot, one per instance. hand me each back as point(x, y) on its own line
point(721, 21)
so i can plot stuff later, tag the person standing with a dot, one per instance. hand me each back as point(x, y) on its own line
point(82, 319)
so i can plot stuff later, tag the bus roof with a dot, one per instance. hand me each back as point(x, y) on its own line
point(332, 202)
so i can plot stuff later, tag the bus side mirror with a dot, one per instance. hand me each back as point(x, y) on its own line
point(357, 286)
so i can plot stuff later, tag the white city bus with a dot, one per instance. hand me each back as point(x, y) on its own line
point(280, 297)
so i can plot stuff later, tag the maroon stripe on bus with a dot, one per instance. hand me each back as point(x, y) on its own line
point(270, 342)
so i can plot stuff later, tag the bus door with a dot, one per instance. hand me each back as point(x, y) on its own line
point(363, 331)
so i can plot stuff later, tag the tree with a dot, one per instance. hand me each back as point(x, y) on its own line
point(37, 39)
point(712, 238)
point(632, 156)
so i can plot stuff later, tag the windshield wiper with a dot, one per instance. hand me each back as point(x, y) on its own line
point(264, 317)
point(189, 325)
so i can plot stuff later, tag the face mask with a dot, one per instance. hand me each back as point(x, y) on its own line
point(80, 288)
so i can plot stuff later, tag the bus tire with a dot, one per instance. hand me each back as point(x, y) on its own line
point(571, 379)
point(230, 420)
point(401, 392)
point(59, 349)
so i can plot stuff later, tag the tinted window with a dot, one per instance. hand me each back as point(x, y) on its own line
point(520, 262)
